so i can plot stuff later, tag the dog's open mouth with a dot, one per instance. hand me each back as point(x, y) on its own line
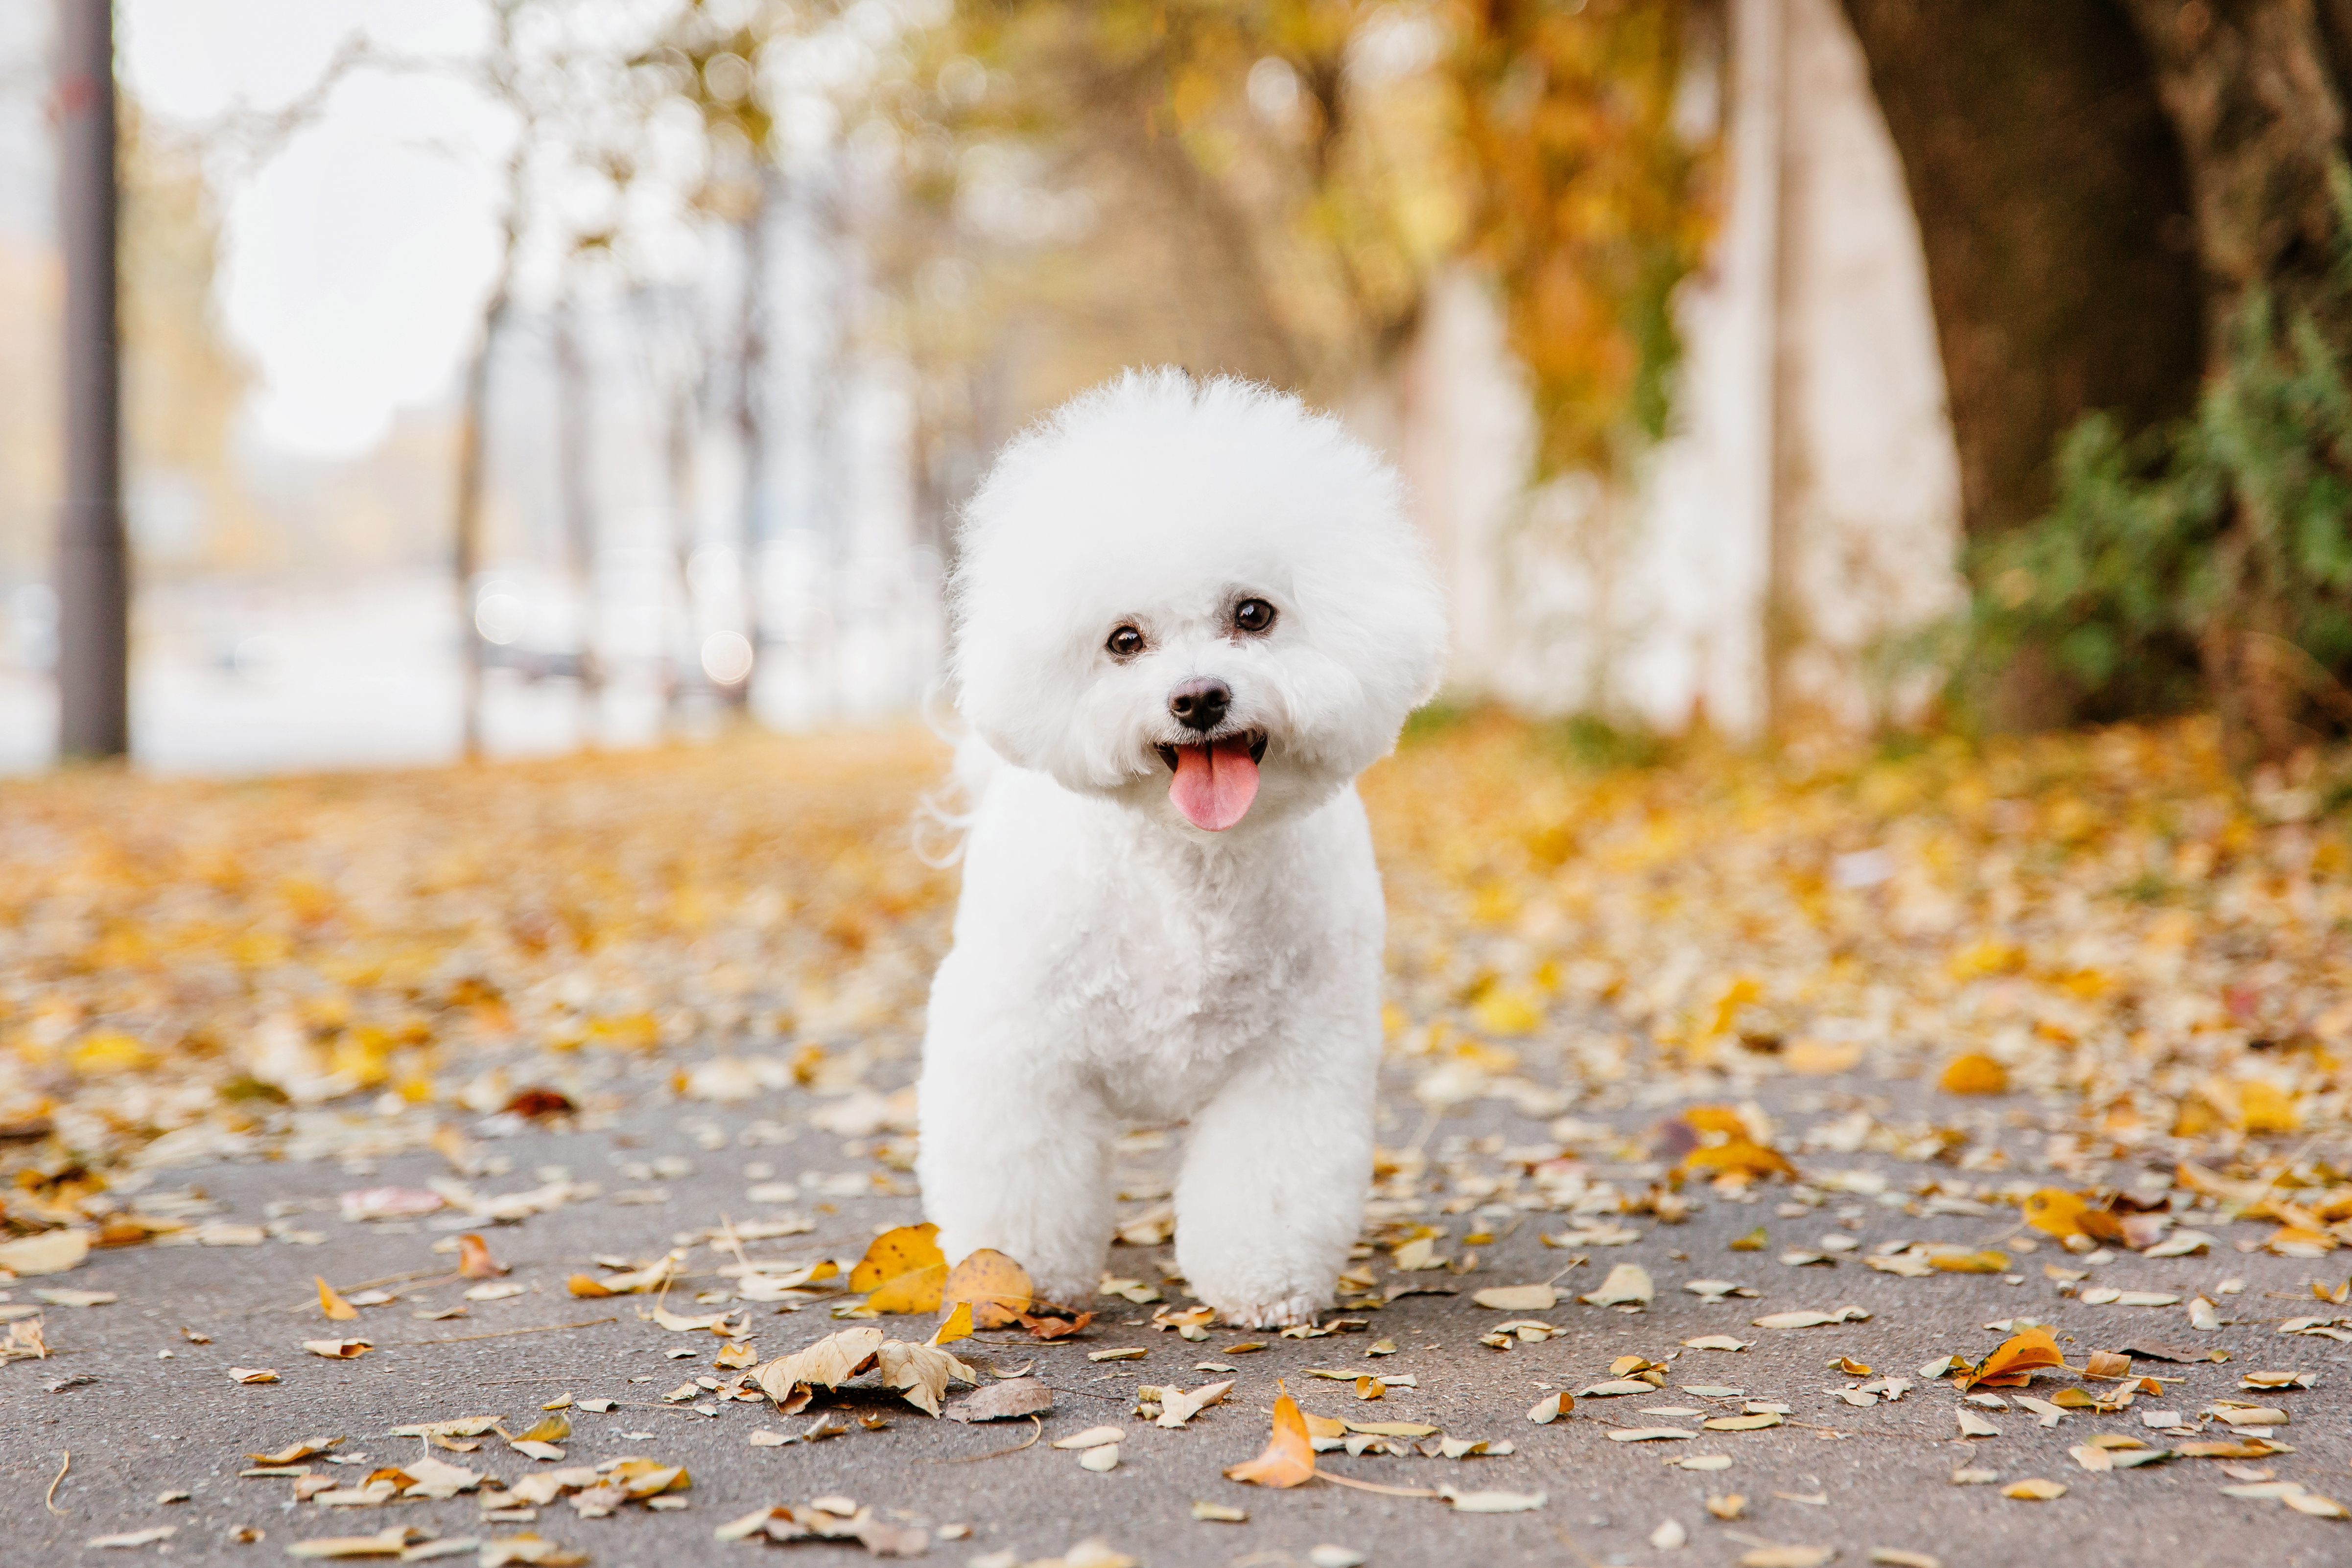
point(1215, 780)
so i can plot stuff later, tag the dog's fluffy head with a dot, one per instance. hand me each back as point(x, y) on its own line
point(1160, 532)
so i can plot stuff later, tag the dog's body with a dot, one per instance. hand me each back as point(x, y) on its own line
point(1187, 616)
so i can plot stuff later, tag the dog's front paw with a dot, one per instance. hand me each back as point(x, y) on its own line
point(1288, 1313)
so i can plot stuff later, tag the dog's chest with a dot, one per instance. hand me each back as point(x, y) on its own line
point(1159, 976)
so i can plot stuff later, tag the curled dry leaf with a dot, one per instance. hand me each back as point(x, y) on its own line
point(295, 1453)
point(332, 1303)
point(1221, 1513)
point(1289, 1456)
point(1052, 1328)
point(921, 1373)
point(474, 1259)
point(1628, 1284)
point(998, 1288)
point(957, 1325)
point(2010, 1364)
point(1177, 1406)
point(636, 1281)
point(1092, 1437)
point(903, 1271)
point(829, 1363)
point(552, 1428)
point(1552, 1407)
point(334, 1349)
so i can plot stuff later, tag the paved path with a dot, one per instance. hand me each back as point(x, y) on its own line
point(145, 1410)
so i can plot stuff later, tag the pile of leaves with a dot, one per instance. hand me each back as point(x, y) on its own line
point(2107, 920)
point(216, 961)
point(2203, 562)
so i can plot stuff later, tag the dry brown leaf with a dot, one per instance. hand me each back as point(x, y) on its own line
point(1014, 1396)
point(921, 1373)
point(335, 1349)
point(1177, 1406)
point(829, 1363)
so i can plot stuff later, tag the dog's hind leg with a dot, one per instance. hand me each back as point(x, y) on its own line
point(1272, 1194)
point(1019, 1161)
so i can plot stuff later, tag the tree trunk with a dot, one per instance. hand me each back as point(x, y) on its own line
point(575, 489)
point(465, 563)
point(2055, 210)
point(755, 322)
point(2255, 94)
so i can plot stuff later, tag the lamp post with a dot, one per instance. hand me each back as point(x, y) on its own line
point(94, 573)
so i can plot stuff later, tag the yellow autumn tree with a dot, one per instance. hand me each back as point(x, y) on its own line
point(1274, 186)
point(1591, 205)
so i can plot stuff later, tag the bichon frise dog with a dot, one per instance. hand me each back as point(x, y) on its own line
point(1187, 615)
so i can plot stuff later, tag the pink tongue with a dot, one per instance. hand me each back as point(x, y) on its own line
point(1215, 785)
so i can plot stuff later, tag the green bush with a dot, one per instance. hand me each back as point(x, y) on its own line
point(2205, 563)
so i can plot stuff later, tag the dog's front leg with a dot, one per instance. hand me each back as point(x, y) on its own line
point(1016, 1158)
point(1272, 1194)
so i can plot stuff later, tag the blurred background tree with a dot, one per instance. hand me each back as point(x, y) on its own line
point(1269, 190)
point(2129, 224)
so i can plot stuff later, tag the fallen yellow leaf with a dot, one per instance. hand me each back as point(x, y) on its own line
point(903, 1271)
point(1289, 1456)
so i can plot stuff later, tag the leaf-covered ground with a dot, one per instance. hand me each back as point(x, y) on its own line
point(1755, 1059)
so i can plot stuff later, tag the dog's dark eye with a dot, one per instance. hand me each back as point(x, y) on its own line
point(1125, 644)
point(1253, 615)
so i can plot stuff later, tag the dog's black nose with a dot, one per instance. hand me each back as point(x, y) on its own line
point(1201, 703)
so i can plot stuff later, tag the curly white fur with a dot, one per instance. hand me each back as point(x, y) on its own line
point(1113, 963)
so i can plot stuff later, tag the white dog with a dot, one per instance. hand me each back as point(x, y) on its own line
point(1187, 615)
